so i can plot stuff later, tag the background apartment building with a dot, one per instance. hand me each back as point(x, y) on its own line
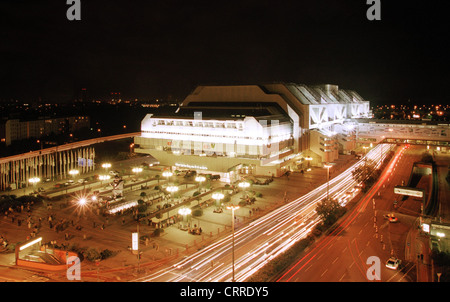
point(16, 129)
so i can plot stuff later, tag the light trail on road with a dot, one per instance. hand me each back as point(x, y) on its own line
point(265, 238)
point(295, 269)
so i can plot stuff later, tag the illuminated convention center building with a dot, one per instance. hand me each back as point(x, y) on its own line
point(254, 129)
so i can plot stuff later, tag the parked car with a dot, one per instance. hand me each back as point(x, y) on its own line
point(190, 174)
point(391, 217)
point(393, 263)
point(215, 177)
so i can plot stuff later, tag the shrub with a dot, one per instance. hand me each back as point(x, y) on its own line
point(157, 232)
point(142, 208)
point(92, 254)
point(105, 254)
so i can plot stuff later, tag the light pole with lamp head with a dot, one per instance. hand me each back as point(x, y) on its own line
point(167, 175)
point(103, 177)
point(106, 166)
point(136, 171)
point(218, 197)
point(365, 152)
point(232, 208)
point(172, 190)
point(33, 181)
point(244, 185)
point(73, 173)
point(184, 212)
point(308, 159)
point(328, 166)
point(200, 180)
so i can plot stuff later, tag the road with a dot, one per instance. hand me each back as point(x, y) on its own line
point(261, 240)
point(343, 255)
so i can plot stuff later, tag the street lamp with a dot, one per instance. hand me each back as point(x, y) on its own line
point(244, 185)
point(365, 151)
point(33, 181)
point(184, 212)
point(74, 172)
point(309, 159)
point(167, 174)
point(136, 170)
point(200, 179)
point(103, 177)
point(232, 208)
point(328, 166)
point(218, 197)
point(172, 190)
point(82, 201)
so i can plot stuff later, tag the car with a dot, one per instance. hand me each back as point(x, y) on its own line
point(215, 177)
point(190, 174)
point(113, 173)
point(393, 263)
point(392, 218)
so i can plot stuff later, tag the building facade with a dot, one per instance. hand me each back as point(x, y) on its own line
point(16, 129)
point(254, 129)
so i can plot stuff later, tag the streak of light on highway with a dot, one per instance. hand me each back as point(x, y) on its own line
point(265, 238)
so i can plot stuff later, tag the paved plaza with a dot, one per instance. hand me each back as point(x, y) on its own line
point(88, 228)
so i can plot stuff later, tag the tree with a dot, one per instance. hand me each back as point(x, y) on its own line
point(143, 195)
point(92, 254)
point(329, 210)
point(427, 158)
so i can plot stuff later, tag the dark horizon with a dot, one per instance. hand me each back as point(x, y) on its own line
point(162, 49)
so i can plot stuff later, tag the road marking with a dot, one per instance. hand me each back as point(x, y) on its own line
point(335, 260)
point(351, 264)
point(308, 268)
point(324, 272)
point(342, 277)
point(368, 242)
point(345, 248)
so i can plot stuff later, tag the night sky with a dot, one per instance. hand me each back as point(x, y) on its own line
point(153, 49)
